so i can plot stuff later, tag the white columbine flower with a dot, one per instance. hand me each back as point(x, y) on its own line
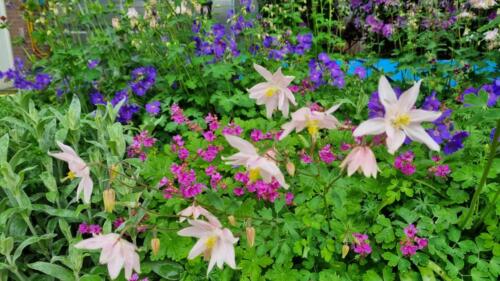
point(214, 243)
point(273, 93)
point(312, 120)
point(116, 252)
point(400, 118)
point(258, 166)
point(77, 169)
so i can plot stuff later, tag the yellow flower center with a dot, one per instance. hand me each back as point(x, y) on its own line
point(401, 120)
point(312, 126)
point(254, 174)
point(271, 91)
point(211, 241)
point(71, 175)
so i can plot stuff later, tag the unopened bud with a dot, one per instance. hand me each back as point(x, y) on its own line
point(232, 220)
point(155, 246)
point(290, 168)
point(345, 250)
point(109, 200)
point(250, 236)
point(113, 171)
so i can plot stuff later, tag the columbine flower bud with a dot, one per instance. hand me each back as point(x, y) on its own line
point(290, 168)
point(113, 171)
point(115, 23)
point(345, 250)
point(250, 236)
point(155, 246)
point(232, 220)
point(109, 200)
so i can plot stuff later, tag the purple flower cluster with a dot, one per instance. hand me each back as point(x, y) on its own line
point(177, 114)
point(257, 135)
point(232, 129)
point(361, 245)
point(325, 70)
point(264, 191)
point(411, 243)
point(209, 154)
point(404, 163)
point(143, 78)
point(442, 171)
point(326, 155)
point(169, 190)
point(91, 64)
point(186, 178)
point(493, 91)
point(140, 142)
point(305, 158)
point(178, 147)
point(84, 228)
point(153, 108)
point(215, 177)
point(278, 50)
point(378, 26)
point(20, 79)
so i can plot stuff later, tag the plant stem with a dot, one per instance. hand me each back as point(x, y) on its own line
point(327, 188)
point(482, 182)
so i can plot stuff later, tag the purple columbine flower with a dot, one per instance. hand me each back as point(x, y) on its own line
point(153, 108)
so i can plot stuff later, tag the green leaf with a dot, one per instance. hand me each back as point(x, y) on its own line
point(53, 270)
point(392, 259)
point(427, 274)
point(29, 241)
point(4, 147)
point(73, 114)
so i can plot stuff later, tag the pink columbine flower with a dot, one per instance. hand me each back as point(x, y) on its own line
point(274, 93)
point(326, 155)
point(255, 164)
point(116, 252)
point(213, 241)
point(77, 169)
point(400, 118)
point(361, 158)
point(312, 120)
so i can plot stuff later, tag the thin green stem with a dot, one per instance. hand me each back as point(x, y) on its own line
point(475, 198)
point(431, 187)
point(327, 188)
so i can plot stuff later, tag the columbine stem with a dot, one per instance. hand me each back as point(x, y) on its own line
point(327, 188)
point(475, 198)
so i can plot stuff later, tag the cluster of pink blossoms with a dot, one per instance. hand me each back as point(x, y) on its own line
point(140, 142)
point(178, 147)
point(186, 179)
point(177, 114)
point(305, 158)
point(257, 135)
point(440, 170)
point(263, 190)
point(232, 129)
point(326, 155)
point(361, 245)
point(84, 228)
point(411, 243)
point(404, 163)
point(215, 177)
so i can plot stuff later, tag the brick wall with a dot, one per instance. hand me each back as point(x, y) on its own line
point(17, 28)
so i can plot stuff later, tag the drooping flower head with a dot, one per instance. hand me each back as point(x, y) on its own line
point(312, 120)
point(116, 252)
point(215, 243)
point(273, 93)
point(361, 159)
point(258, 166)
point(77, 169)
point(400, 119)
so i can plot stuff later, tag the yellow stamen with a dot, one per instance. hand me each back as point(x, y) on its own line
point(271, 91)
point(211, 241)
point(401, 120)
point(312, 126)
point(71, 175)
point(254, 174)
